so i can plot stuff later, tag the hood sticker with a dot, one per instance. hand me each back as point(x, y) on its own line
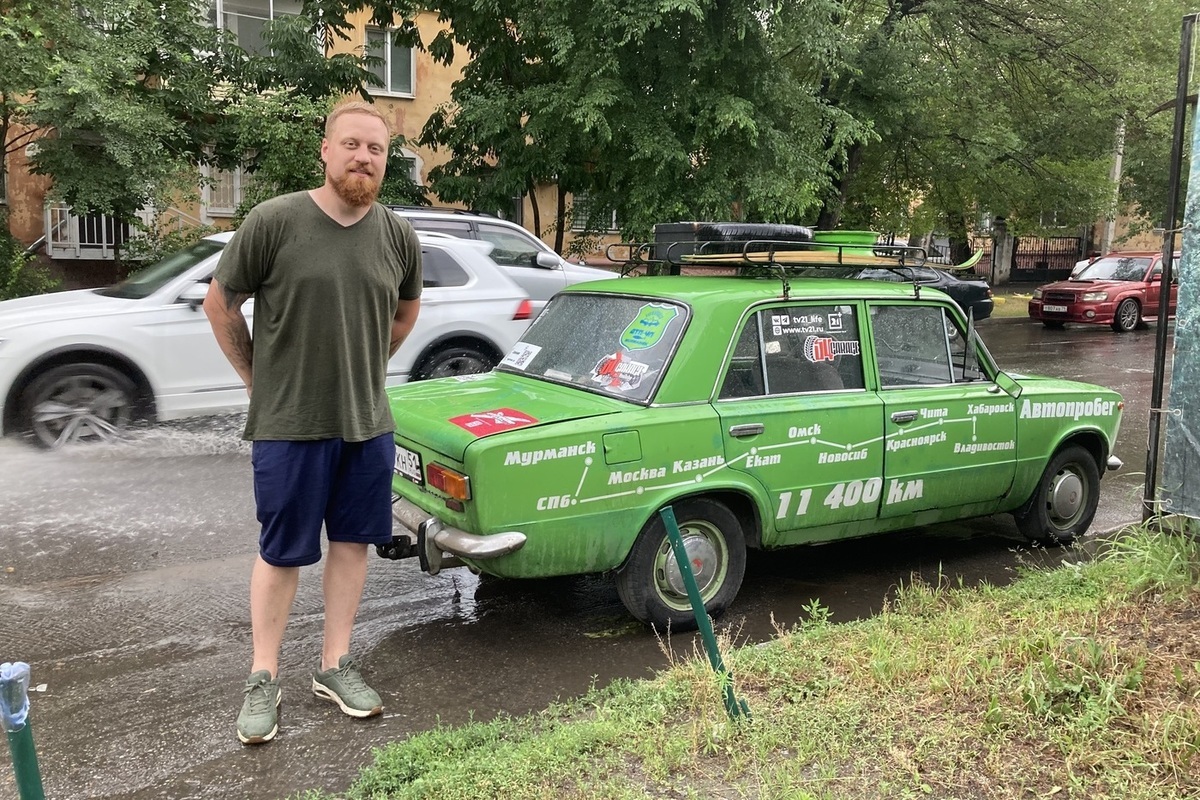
point(483, 423)
point(649, 326)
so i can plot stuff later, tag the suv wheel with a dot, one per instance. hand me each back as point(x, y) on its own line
point(1127, 317)
point(77, 402)
point(459, 359)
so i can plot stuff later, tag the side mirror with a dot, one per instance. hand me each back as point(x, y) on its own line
point(546, 260)
point(194, 295)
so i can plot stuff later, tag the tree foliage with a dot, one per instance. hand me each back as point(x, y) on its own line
point(897, 114)
point(128, 99)
point(905, 115)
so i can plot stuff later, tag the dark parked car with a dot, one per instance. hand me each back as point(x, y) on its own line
point(1121, 289)
point(973, 295)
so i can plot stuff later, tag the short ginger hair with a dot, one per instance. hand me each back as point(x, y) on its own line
point(355, 107)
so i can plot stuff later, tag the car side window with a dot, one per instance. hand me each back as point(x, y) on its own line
point(745, 375)
point(913, 345)
point(510, 249)
point(795, 350)
point(438, 268)
point(460, 229)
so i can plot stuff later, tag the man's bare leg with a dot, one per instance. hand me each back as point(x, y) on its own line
point(272, 590)
point(345, 576)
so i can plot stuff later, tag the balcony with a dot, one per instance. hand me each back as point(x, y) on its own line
point(94, 237)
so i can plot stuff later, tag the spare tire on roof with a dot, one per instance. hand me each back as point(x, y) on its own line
point(674, 240)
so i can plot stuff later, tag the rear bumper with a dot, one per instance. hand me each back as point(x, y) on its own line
point(440, 546)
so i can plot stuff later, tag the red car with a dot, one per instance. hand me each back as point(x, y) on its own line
point(1119, 289)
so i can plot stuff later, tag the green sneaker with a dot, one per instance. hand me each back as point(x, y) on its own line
point(259, 720)
point(345, 686)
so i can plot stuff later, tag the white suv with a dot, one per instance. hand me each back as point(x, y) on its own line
point(83, 364)
point(528, 260)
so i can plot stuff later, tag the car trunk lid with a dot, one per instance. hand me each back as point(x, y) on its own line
point(445, 416)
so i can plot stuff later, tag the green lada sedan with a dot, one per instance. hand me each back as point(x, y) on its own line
point(766, 413)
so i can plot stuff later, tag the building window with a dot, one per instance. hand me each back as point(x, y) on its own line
point(394, 68)
point(223, 191)
point(586, 217)
point(247, 18)
point(402, 161)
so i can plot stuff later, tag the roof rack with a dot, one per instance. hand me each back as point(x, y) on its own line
point(759, 257)
point(441, 210)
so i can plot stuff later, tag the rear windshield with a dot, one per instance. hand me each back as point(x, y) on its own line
point(609, 344)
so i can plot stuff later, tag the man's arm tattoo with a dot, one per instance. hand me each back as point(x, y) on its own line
point(233, 300)
point(239, 337)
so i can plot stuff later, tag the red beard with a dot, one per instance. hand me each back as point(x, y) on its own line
point(355, 189)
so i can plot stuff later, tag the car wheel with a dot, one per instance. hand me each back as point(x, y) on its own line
point(1053, 324)
point(454, 360)
point(78, 402)
point(650, 583)
point(1127, 317)
point(1064, 502)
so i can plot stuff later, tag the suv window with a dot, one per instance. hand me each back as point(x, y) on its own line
point(796, 349)
point(511, 248)
point(438, 268)
point(460, 229)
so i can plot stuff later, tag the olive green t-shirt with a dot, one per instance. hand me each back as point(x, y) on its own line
point(325, 296)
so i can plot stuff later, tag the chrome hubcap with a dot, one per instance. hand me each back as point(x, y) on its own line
point(1066, 496)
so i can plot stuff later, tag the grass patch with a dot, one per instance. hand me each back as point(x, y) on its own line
point(1077, 682)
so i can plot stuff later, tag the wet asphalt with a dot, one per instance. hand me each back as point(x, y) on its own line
point(123, 582)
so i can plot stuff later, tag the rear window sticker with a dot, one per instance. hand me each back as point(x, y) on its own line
point(648, 327)
point(520, 356)
point(618, 373)
point(835, 321)
point(824, 348)
point(772, 347)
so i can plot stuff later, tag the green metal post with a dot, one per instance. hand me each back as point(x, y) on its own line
point(14, 710)
point(733, 706)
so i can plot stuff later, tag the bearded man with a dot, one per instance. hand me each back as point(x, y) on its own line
point(336, 282)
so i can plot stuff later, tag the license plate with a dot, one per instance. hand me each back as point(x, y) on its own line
point(408, 465)
point(1055, 309)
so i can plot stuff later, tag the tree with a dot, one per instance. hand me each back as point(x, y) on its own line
point(128, 99)
point(1009, 107)
point(654, 110)
point(30, 32)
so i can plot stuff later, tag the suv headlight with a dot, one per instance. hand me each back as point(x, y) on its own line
point(1095, 297)
point(1037, 294)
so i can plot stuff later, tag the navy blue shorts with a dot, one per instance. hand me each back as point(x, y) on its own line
point(300, 485)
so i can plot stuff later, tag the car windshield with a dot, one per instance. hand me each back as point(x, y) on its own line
point(613, 345)
point(147, 281)
point(1115, 268)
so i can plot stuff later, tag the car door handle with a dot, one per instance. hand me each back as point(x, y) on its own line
point(749, 429)
point(903, 417)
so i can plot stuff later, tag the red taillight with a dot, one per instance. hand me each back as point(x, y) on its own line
point(524, 311)
point(447, 480)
